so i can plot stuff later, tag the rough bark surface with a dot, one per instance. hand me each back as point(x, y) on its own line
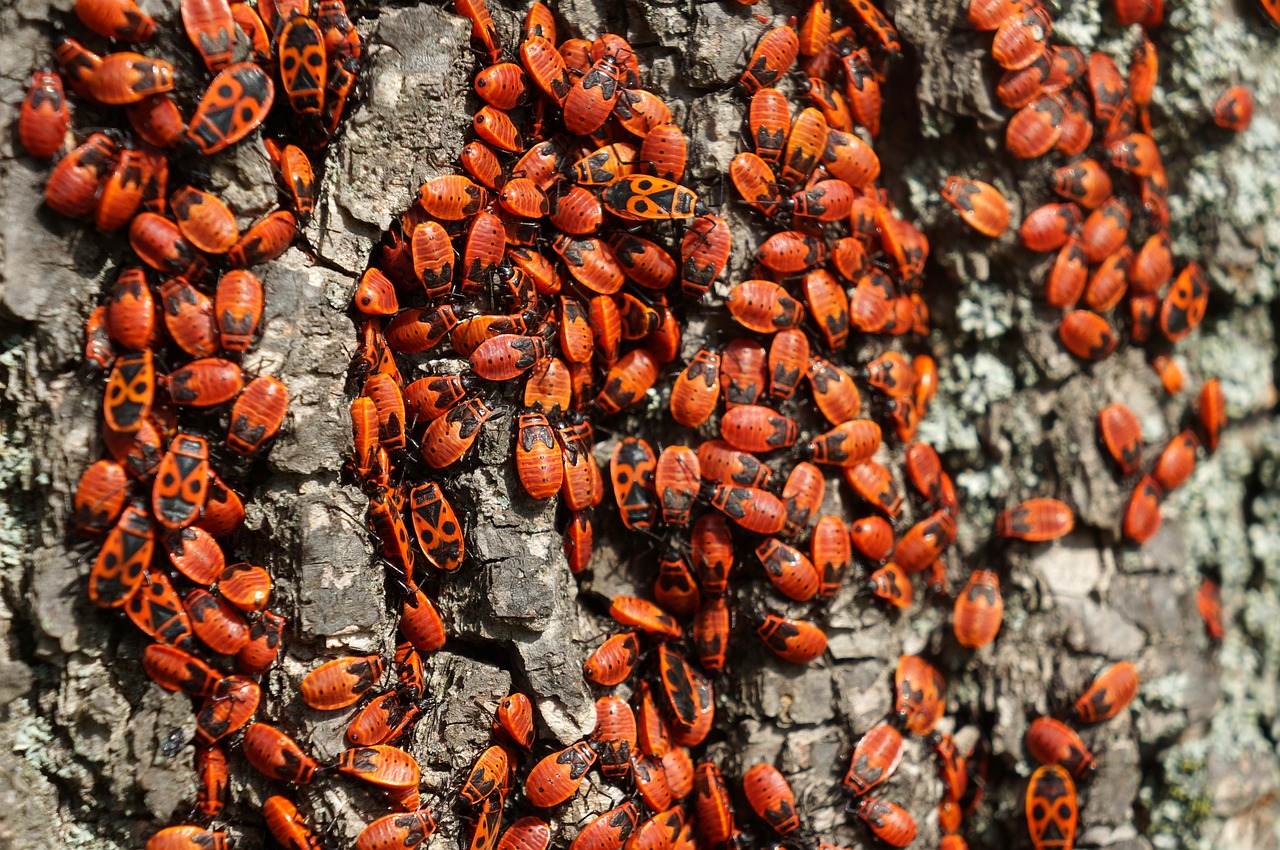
point(90, 757)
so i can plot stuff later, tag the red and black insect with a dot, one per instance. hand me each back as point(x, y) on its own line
point(187, 837)
point(557, 777)
point(276, 755)
point(44, 117)
point(771, 798)
point(383, 765)
point(1036, 520)
point(919, 694)
point(875, 758)
point(979, 610)
point(796, 641)
point(398, 830)
point(234, 105)
point(614, 660)
point(1052, 812)
point(631, 471)
point(489, 773)
point(611, 829)
point(1112, 690)
point(772, 58)
point(980, 204)
point(889, 821)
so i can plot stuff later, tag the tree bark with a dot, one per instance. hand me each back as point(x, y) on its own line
point(93, 758)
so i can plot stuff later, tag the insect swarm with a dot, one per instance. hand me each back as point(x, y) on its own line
point(516, 297)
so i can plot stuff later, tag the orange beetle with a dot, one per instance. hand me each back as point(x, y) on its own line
point(980, 204)
point(848, 444)
point(1053, 742)
point(211, 27)
point(610, 829)
point(1109, 281)
point(1177, 461)
point(1211, 411)
point(287, 826)
point(1036, 520)
point(538, 456)
point(381, 764)
point(875, 484)
point(125, 78)
point(1112, 690)
point(796, 641)
point(873, 537)
point(556, 778)
point(613, 661)
point(1142, 514)
point(1049, 227)
point(1185, 304)
point(874, 759)
point(891, 584)
point(711, 634)
point(712, 804)
point(1036, 128)
point(755, 182)
point(515, 717)
point(791, 251)
point(713, 553)
point(502, 85)
point(631, 471)
point(187, 837)
point(1135, 153)
point(341, 682)
point(235, 104)
point(793, 574)
point(769, 119)
point(1149, 13)
point(770, 796)
point(1209, 604)
point(73, 186)
point(804, 148)
point(889, 821)
point(399, 830)
point(1085, 182)
point(489, 773)
point(755, 428)
point(276, 755)
point(118, 19)
point(979, 610)
point(44, 117)
point(1232, 110)
point(1105, 230)
point(1087, 335)
point(1051, 808)
point(1122, 436)
point(1152, 266)
point(773, 57)
point(834, 391)
point(919, 694)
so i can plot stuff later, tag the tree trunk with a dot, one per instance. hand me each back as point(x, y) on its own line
point(99, 755)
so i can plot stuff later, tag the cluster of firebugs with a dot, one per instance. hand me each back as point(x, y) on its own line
point(547, 260)
point(554, 236)
point(1110, 230)
point(177, 322)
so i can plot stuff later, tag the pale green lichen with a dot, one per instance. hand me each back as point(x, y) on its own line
point(985, 309)
point(1246, 371)
point(1079, 24)
point(1178, 810)
point(985, 380)
point(15, 467)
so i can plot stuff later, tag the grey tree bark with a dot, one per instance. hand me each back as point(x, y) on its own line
point(88, 740)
